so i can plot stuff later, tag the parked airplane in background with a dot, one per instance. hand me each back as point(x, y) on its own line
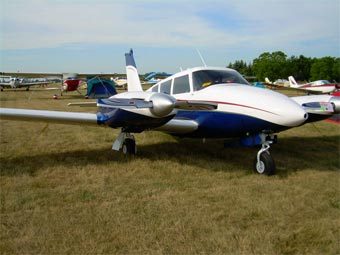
point(157, 74)
point(155, 77)
point(316, 87)
point(201, 102)
point(279, 82)
point(7, 81)
point(14, 82)
point(119, 82)
point(322, 86)
point(70, 83)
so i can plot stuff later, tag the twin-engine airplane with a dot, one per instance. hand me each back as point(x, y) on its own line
point(202, 102)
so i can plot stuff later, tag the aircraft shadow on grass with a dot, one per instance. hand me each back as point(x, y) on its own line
point(292, 154)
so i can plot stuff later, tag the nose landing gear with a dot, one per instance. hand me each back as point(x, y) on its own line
point(125, 142)
point(264, 163)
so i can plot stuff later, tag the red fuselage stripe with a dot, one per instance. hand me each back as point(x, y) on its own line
point(316, 86)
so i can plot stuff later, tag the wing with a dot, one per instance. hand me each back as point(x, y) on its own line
point(275, 86)
point(49, 116)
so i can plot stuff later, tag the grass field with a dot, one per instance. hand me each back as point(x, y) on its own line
point(63, 191)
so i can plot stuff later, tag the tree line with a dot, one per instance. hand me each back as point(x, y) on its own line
point(277, 65)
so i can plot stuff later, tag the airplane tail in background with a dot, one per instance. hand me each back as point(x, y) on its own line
point(133, 81)
point(150, 76)
point(267, 80)
point(292, 82)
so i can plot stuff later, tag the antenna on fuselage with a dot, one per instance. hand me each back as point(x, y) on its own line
point(202, 59)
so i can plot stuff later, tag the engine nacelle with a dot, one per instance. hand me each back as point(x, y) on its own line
point(335, 101)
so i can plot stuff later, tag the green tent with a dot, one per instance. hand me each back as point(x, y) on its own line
point(100, 88)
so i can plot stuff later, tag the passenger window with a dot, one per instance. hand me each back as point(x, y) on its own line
point(154, 89)
point(166, 87)
point(181, 85)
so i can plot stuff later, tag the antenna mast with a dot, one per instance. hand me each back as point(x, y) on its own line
point(202, 59)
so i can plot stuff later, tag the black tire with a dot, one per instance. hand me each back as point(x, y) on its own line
point(267, 164)
point(129, 147)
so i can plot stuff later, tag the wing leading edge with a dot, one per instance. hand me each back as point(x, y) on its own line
point(49, 116)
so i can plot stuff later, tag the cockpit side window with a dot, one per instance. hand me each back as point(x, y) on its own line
point(181, 85)
point(204, 78)
point(165, 87)
point(154, 88)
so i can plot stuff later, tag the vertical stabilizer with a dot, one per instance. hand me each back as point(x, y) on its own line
point(133, 81)
point(267, 80)
point(292, 82)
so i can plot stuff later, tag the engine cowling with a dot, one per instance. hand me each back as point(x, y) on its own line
point(335, 101)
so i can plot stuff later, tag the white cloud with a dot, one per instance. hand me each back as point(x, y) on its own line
point(258, 23)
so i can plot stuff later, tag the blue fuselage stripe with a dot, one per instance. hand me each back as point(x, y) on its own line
point(211, 124)
point(223, 124)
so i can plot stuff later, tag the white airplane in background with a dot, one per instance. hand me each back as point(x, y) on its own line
point(120, 82)
point(14, 82)
point(321, 86)
point(6, 81)
point(202, 102)
point(278, 82)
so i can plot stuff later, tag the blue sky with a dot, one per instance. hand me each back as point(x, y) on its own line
point(91, 36)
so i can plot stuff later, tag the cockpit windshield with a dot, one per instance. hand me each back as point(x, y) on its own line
point(204, 78)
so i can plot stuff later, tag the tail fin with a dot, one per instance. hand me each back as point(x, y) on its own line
point(150, 75)
point(292, 82)
point(267, 80)
point(133, 81)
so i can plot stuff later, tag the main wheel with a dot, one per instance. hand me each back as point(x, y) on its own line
point(129, 147)
point(266, 165)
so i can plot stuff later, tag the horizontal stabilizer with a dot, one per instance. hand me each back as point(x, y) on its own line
point(84, 104)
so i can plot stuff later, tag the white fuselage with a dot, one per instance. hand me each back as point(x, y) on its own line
point(235, 104)
point(238, 99)
point(251, 101)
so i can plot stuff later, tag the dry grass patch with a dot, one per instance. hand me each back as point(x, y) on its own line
point(64, 191)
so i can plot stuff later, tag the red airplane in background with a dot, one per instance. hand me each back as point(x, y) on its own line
point(71, 82)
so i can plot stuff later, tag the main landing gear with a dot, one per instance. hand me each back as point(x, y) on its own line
point(264, 163)
point(125, 142)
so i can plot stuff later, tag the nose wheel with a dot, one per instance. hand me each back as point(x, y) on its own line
point(125, 142)
point(129, 147)
point(264, 162)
